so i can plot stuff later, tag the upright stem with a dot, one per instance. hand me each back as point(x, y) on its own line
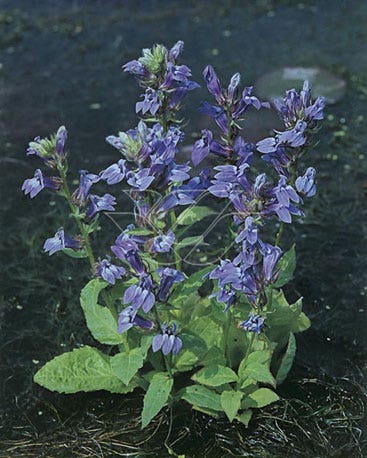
point(85, 235)
point(226, 336)
point(175, 248)
point(279, 234)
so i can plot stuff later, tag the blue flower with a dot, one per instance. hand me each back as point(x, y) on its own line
point(61, 137)
point(297, 106)
point(140, 180)
point(271, 255)
point(129, 318)
point(152, 102)
point(140, 295)
point(201, 147)
point(33, 186)
point(109, 272)
point(168, 278)
point(167, 341)
point(249, 233)
point(213, 84)
point(305, 184)
point(162, 243)
point(176, 50)
point(60, 241)
point(115, 172)
point(86, 181)
point(126, 248)
point(253, 324)
point(98, 204)
point(136, 68)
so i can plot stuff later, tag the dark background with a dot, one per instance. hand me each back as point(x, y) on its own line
point(61, 64)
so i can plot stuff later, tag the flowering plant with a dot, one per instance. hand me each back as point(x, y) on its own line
point(220, 337)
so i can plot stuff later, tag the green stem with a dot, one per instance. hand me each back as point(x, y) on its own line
point(85, 236)
point(251, 341)
point(176, 251)
point(279, 234)
point(226, 336)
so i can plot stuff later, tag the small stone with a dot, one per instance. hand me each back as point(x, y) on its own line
point(95, 106)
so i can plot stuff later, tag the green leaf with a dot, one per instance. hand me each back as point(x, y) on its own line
point(100, 321)
point(231, 402)
point(256, 367)
point(260, 398)
point(193, 214)
point(126, 365)
point(193, 348)
point(83, 369)
point(190, 241)
point(287, 265)
point(156, 397)
point(75, 254)
point(90, 292)
point(215, 375)
point(245, 417)
point(198, 395)
point(287, 360)
point(190, 285)
point(208, 330)
point(302, 323)
point(214, 356)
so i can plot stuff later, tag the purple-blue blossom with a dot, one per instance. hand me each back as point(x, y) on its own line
point(126, 248)
point(151, 103)
point(129, 318)
point(168, 277)
point(115, 173)
point(167, 341)
point(60, 241)
point(305, 184)
point(109, 272)
point(33, 186)
point(98, 204)
point(254, 323)
point(162, 243)
point(86, 181)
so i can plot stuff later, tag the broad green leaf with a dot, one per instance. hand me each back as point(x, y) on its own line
point(198, 395)
point(214, 356)
point(260, 373)
point(215, 375)
point(231, 402)
point(103, 325)
point(75, 254)
point(126, 365)
point(188, 286)
point(83, 369)
point(245, 417)
point(190, 241)
point(285, 318)
point(90, 292)
point(287, 360)
point(208, 330)
point(100, 321)
point(260, 398)
point(256, 367)
point(193, 214)
point(287, 265)
point(193, 349)
point(302, 323)
point(156, 397)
